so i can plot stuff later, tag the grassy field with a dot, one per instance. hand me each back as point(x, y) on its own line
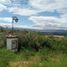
point(35, 50)
point(27, 58)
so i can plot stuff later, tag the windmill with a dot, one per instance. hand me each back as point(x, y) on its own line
point(12, 39)
point(14, 19)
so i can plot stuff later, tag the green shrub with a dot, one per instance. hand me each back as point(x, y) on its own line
point(36, 41)
point(33, 40)
point(2, 40)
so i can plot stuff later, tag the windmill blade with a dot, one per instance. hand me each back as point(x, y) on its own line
point(15, 18)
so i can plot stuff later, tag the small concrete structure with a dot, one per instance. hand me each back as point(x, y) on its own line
point(12, 42)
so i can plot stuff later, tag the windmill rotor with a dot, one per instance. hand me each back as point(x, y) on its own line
point(14, 18)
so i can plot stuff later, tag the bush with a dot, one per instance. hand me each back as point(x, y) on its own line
point(2, 40)
point(32, 40)
point(36, 41)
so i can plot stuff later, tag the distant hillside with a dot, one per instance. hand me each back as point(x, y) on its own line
point(52, 32)
point(56, 32)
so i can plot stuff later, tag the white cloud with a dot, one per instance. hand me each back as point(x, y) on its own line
point(5, 2)
point(5, 19)
point(7, 22)
point(49, 22)
point(2, 7)
point(43, 22)
point(40, 5)
point(23, 11)
point(48, 5)
point(36, 6)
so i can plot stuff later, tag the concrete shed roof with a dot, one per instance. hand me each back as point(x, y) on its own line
point(11, 36)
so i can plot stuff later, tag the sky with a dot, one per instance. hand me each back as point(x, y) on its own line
point(34, 14)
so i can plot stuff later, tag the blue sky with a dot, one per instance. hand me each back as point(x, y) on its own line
point(34, 14)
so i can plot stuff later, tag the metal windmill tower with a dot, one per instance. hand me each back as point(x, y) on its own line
point(14, 19)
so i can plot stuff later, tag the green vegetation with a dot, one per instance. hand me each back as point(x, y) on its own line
point(35, 50)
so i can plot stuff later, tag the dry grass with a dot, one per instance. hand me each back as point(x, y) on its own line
point(21, 64)
point(33, 61)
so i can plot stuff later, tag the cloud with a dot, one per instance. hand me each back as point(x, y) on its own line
point(43, 22)
point(34, 8)
point(5, 2)
point(23, 11)
point(5, 19)
point(48, 5)
point(2, 7)
point(7, 22)
point(49, 22)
